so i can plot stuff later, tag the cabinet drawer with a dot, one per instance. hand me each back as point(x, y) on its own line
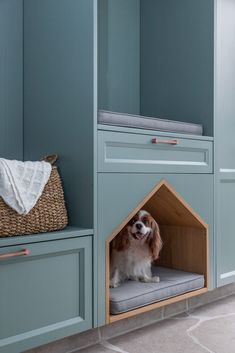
point(137, 153)
point(45, 295)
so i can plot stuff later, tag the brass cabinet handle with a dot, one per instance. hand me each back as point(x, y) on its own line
point(23, 252)
point(165, 142)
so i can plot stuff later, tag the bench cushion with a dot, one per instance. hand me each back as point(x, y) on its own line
point(132, 295)
point(142, 122)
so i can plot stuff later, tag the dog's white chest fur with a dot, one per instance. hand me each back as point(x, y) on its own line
point(136, 261)
point(133, 263)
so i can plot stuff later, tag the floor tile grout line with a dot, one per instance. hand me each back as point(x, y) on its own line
point(195, 339)
point(198, 324)
point(108, 345)
point(210, 318)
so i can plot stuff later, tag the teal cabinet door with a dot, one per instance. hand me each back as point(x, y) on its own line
point(225, 227)
point(119, 194)
point(225, 142)
point(45, 295)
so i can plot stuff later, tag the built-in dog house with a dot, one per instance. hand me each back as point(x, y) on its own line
point(183, 262)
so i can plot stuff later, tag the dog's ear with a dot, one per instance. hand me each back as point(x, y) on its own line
point(155, 241)
point(121, 241)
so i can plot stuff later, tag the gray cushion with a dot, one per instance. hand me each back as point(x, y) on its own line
point(141, 122)
point(131, 294)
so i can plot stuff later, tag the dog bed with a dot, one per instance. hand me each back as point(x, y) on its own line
point(132, 295)
point(142, 122)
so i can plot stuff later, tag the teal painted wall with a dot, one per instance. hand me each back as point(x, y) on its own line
point(11, 79)
point(177, 60)
point(119, 55)
point(58, 95)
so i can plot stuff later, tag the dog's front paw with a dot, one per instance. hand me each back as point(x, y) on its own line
point(113, 284)
point(156, 279)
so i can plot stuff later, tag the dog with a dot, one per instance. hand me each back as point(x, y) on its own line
point(134, 249)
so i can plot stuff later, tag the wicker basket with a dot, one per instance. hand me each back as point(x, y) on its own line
point(49, 214)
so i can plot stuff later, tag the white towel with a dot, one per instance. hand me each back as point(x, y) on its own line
point(22, 183)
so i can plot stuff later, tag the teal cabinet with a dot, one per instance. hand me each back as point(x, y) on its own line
point(162, 66)
point(120, 193)
point(140, 153)
point(225, 142)
point(45, 295)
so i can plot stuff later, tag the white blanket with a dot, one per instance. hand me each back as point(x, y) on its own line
point(22, 183)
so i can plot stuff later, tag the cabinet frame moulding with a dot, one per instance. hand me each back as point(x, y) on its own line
point(198, 225)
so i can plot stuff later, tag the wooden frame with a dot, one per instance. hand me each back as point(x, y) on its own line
point(184, 234)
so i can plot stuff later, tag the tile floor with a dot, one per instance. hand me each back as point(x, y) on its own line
point(210, 328)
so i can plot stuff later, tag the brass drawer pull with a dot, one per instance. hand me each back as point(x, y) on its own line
point(23, 252)
point(165, 142)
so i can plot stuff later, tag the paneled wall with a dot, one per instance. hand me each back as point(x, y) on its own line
point(58, 95)
point(119, 55)
point(177, 60)
point(11, 79)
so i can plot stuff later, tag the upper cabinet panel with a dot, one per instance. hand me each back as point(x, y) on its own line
point(59, 95)
point(119, 55)
point(225, 85)
point(177, 52)
point(11, 79)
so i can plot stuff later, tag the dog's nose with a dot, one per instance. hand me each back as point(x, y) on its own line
point(139, 226)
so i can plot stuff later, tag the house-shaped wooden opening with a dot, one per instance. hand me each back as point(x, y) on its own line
point(185, 252)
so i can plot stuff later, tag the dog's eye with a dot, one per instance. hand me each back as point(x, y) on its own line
point(145, 222)
point(132, 221)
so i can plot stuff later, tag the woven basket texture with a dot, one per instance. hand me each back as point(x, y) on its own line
point(49, 214)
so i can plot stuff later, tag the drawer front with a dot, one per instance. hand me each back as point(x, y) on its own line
point(45, 295)
point(123, 152)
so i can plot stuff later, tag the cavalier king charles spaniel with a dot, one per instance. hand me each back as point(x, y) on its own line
point(134, 249)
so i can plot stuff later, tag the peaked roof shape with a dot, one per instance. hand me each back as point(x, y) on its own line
point(167, 207)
